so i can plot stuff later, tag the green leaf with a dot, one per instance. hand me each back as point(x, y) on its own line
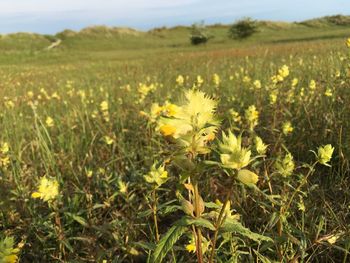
point(145, 245)
point(212, 205)
point(167, 242)
point(264, 259)
point(231, 225)
point(169, 209)
point(186, 221)
point(78, 219)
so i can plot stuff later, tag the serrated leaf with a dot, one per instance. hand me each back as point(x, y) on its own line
point(167, 242)
point(145, 245)
point(169, 209)
point(212, 205)
point(186, 221)
point(231, 225)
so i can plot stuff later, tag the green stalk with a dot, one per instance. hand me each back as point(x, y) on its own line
point(218, 224)
point(299, 187)
point(198, 230)
point(154, 208)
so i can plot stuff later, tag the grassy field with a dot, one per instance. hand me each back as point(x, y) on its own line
point(129, 146)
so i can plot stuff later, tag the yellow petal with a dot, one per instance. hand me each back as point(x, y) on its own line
point(167, 130)
point(36, 195)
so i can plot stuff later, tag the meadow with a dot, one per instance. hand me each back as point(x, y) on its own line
point(129, 146)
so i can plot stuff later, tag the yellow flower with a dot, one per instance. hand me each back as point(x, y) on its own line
point(283, 71)
point(122, 186)
point(312, 84)
point(216, 80)
point(273, 98)
point(4, 148)
point(49, 122)
point(157, 176)
point(274, 79)
point(108, 140)
point(199, 109)
point(4, 161)
point(235, 116)
point(246, 79)
point(295, 82)
point(89, 173)
point(348, 42)
point(170, 109)
point(287, 128)
point(10, 259)
point(8, 254)
point(210, 136)
point(301, 205)
point(192, 122)
point(55, 96)
point(285, 166)
point(334, 237)
point(104, 106)
point(191, 246)
point(199, 80)
point(30, 94)
point(328, 92)
point(252, 116)
point(180, 80)
point(247, 177)
point(325, 154)
point(156, 110)
point(257, 84)
point(232, 155)
point(227, 211)
point(48, 189)
point(260, 146)
point(167, 130)
point(9, 104)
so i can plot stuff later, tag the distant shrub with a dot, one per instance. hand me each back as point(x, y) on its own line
point(338, 20)
point(199, 34)
point(243, 28)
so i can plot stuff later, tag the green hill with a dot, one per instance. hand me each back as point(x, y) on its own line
point(127, 43)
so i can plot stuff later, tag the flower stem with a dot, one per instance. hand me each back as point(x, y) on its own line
point(218, 224)
point(198, 230)
point(154, 208)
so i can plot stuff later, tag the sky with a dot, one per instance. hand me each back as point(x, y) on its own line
point(52, 16)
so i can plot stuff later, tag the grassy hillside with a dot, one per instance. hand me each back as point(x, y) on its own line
point(104, 39)
point(127, 146)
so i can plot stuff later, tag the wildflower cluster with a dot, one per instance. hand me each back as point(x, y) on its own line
point(193, 124)
point(47, 190)
point(8, 254)
point(156, 176)
point(4, 154)
point(104, 108)
point(283, 73)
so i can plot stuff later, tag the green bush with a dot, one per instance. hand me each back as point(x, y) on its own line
point(199, 34)
point(243, 28)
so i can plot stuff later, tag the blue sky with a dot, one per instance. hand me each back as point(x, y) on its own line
point(51, 16)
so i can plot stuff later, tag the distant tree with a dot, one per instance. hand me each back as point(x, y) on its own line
point(199, 34)
point(243, 28)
